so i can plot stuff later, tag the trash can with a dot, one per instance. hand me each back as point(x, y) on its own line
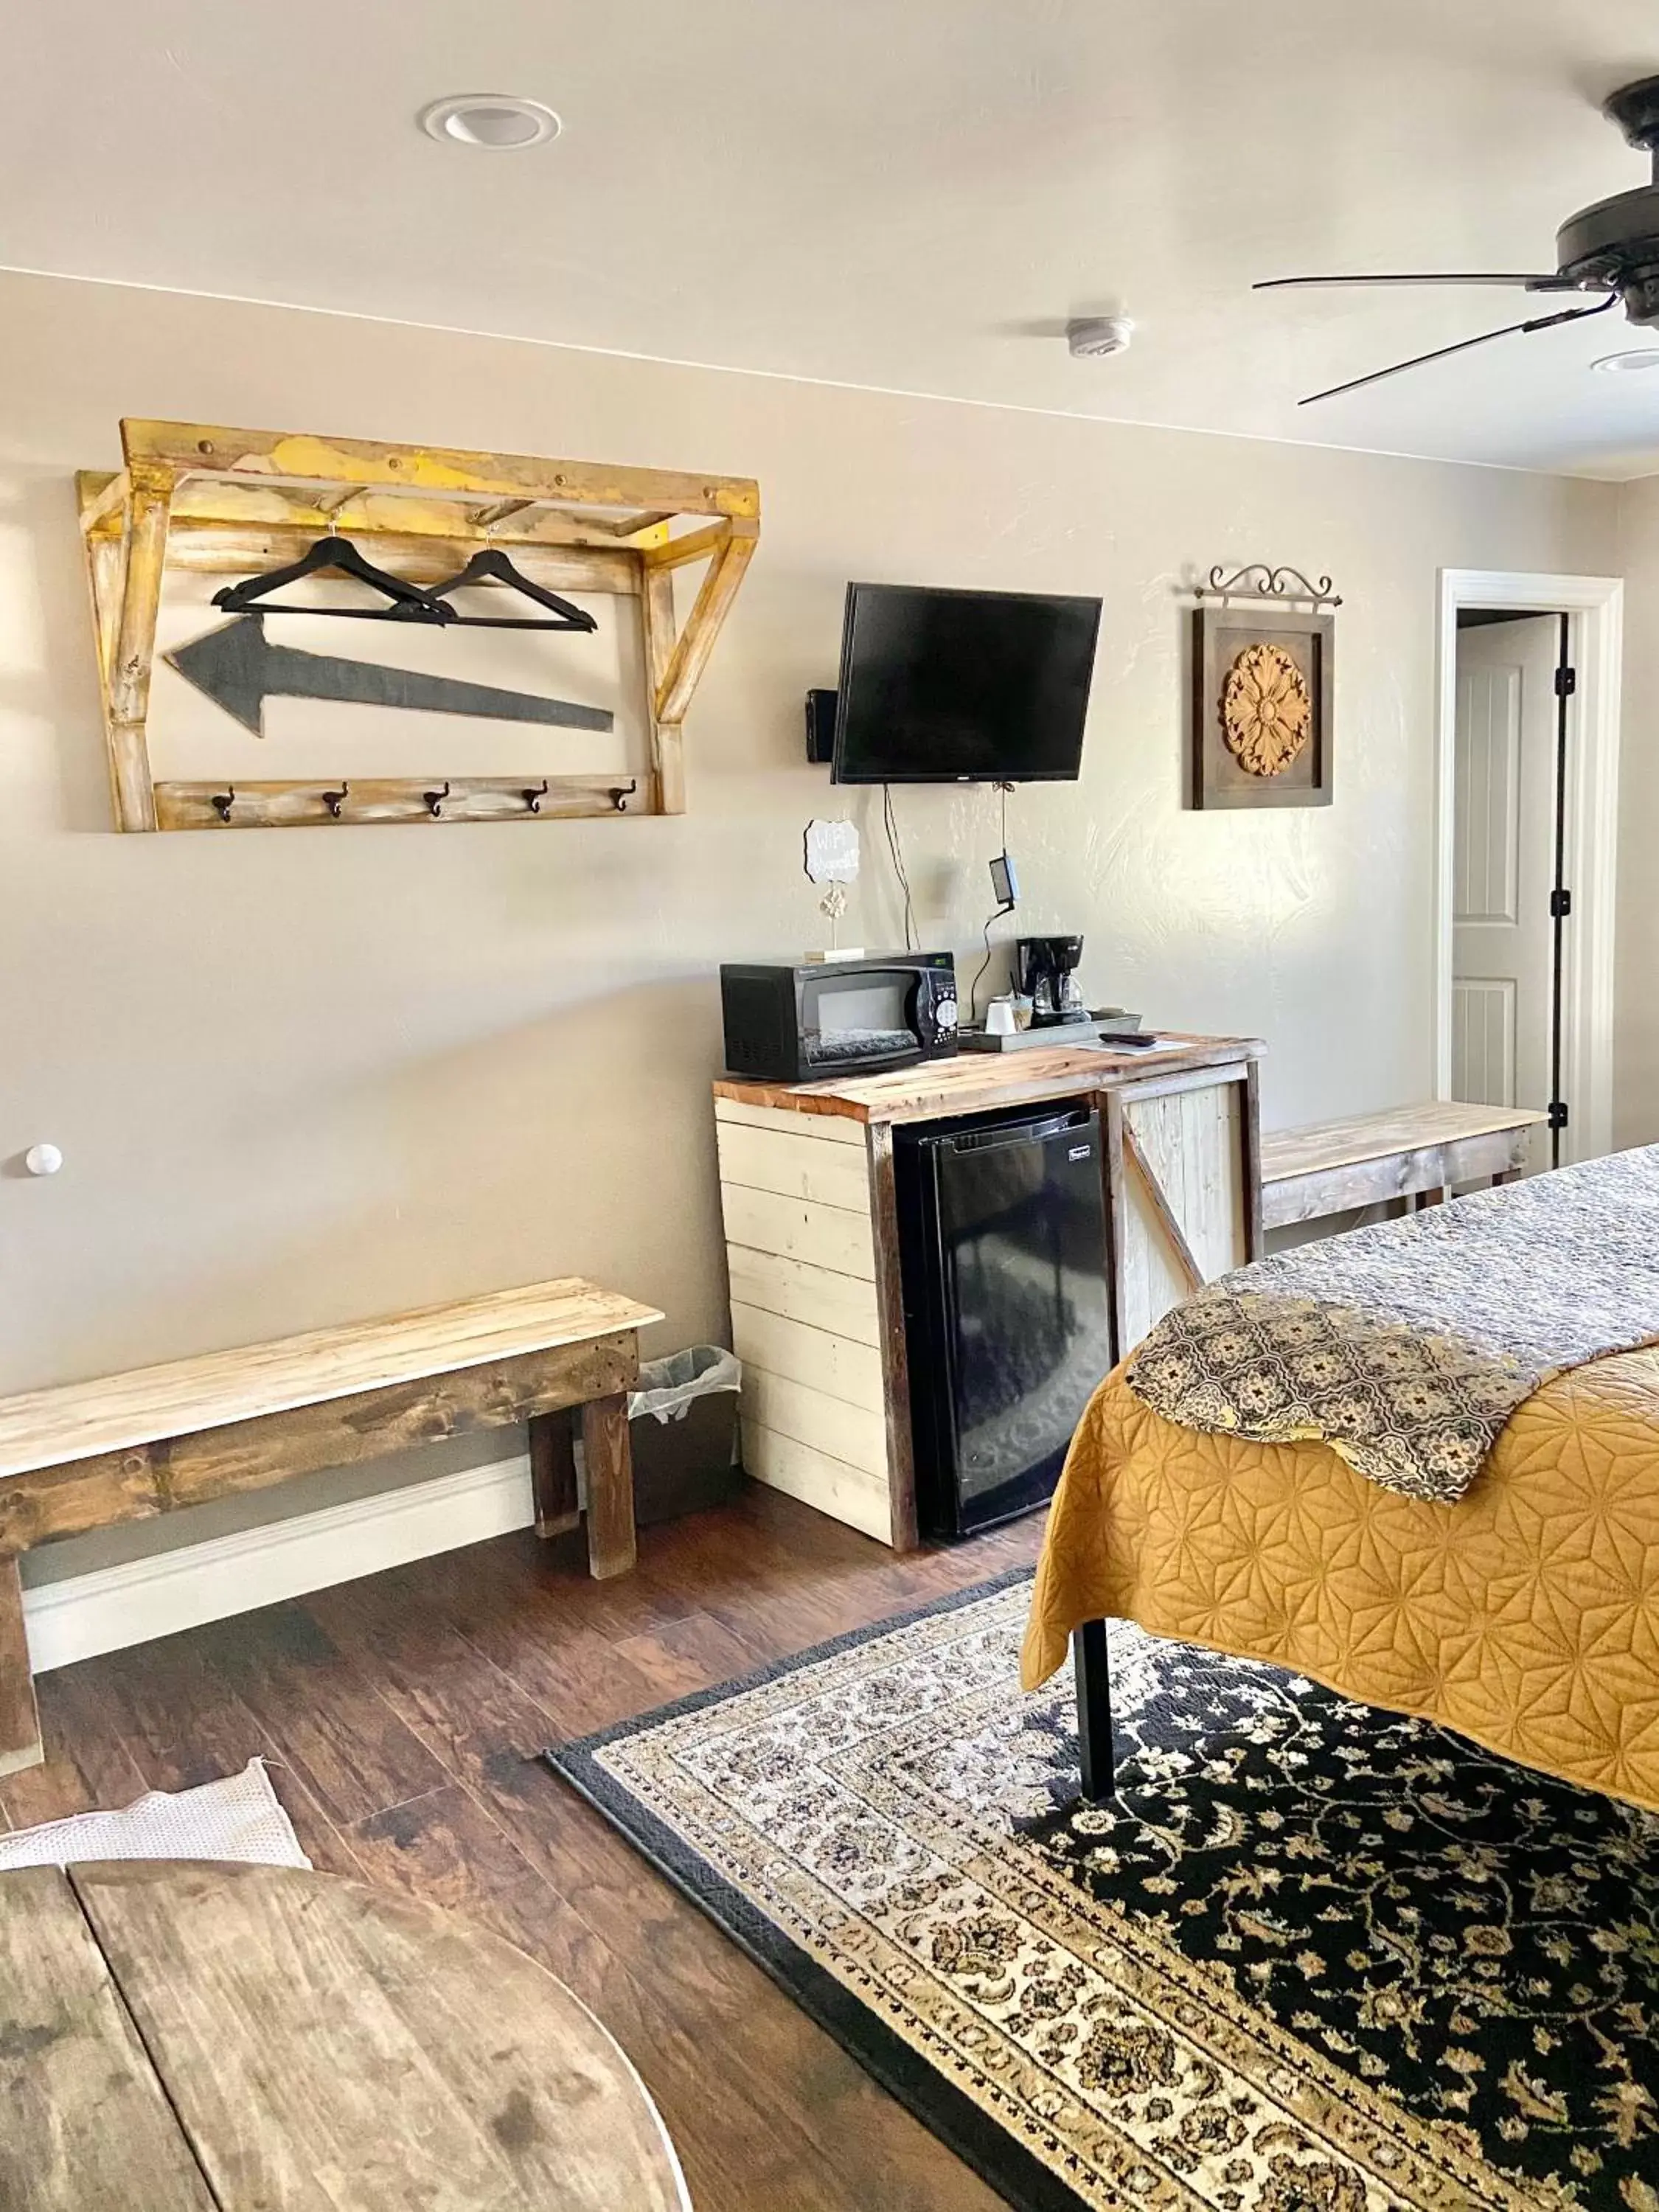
point(683, 1429)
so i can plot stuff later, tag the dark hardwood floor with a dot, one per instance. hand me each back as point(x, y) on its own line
point(400, 1714)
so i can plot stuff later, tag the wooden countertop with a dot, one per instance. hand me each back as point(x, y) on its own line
point(116, 1413)
point(974, 1082)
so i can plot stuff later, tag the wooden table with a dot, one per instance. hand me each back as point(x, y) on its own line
point(131, 1447)
point(178, 2037)
point(1412, 1151)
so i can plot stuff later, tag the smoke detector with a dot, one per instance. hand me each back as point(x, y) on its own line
point(1088, 337)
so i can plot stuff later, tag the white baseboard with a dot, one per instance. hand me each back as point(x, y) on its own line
point(114, 1606)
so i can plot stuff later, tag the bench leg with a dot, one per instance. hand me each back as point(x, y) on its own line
point(553, 1472)
point(1094, 1709)
point(610, 1463)
point(20, 1718)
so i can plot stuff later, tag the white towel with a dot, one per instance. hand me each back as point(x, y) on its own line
point(240, 1818)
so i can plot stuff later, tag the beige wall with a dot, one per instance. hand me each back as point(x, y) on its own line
point(307, 1075)
point(1635, 1018)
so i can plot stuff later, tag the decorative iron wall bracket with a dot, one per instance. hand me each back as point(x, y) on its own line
point(1258, 581)
point(226, 502)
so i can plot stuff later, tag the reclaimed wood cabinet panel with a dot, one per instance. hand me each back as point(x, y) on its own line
point(1181, 1197)
point(800, 1249)
point(832, 1236)
point(818, 1298)
point(793, 1165)
point(845, 1493)
point(841, 1365)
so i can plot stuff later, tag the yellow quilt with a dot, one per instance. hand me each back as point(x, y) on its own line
point(1525, 1615)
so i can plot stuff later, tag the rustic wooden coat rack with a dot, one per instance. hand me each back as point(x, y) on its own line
point(229, 502)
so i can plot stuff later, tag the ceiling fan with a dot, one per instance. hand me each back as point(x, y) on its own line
point(1611, 249)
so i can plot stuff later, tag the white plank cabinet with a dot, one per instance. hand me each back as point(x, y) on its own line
point(811, 1239)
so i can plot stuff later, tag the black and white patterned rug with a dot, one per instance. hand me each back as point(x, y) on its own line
point(1313, 1958)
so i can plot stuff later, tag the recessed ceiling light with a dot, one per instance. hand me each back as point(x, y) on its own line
point(1625, 364)
point(498, 121)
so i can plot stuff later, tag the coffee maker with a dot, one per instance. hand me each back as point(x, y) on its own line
point(1047, 970)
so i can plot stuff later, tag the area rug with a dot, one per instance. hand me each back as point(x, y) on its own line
point(1313, 1958)
point(240, 1818)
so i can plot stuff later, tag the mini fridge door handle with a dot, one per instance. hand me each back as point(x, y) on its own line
point(1024, 1134)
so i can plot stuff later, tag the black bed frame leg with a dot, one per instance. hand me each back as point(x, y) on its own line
point(1094, 1709)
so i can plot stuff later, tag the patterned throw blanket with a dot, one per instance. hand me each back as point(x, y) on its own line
point(1406, 1346)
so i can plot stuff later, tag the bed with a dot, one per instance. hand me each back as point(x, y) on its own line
point(1523, 1613)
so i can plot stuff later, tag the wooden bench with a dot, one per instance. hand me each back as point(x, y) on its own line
point(131, 1447)
point(1413, 1153)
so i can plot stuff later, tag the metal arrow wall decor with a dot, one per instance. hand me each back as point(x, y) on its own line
point(239, 669)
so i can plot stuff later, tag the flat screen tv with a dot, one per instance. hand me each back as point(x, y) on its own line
point(962, 687)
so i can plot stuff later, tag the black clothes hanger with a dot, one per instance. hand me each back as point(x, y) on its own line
point(408, 602)
point(490, 564)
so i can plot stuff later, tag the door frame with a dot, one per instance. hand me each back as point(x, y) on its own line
point(1595, 607)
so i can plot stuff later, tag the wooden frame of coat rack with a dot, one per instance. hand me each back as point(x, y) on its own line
point(229, 502)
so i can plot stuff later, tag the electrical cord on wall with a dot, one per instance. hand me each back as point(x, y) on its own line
point(1007, 907)
point(979, 975)
point(894, 847)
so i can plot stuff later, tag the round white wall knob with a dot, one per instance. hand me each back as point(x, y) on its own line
point(43, 1159)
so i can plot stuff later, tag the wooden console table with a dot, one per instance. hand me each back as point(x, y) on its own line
point(129, 1447)
point(188, 2038)
point(811, 1236)
point(1410, 1153)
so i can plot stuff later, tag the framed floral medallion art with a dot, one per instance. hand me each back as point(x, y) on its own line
point(1262, 686)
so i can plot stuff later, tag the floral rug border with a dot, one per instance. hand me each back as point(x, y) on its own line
point(944, 2111)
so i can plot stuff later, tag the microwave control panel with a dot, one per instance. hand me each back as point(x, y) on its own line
point(937, 1010)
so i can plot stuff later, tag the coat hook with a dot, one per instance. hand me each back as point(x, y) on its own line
point(435, 801)
point(334, 801)
point(533, 799)
point(620, 796)
point(223, 801)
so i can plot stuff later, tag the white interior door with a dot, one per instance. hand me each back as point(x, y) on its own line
point(1504, 861)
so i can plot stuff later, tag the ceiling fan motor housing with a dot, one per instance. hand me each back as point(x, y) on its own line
point(1616, 242)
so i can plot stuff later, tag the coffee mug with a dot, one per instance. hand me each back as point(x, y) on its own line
point(999, 1017)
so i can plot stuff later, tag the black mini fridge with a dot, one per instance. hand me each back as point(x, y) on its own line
point(1002, 1238)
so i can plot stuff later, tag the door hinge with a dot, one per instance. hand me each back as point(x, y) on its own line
point(1566, 683)
point(1558, 1114)
point(1560, 905)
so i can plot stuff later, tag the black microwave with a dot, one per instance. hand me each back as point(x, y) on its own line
point(838, 1017)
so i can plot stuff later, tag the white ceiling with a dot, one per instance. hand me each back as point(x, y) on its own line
point(912, 194)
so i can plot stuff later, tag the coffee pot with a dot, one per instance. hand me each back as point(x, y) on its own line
point(1047, 970)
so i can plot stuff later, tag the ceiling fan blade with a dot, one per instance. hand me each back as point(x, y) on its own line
point(1551, 284)
point(1418, 359)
